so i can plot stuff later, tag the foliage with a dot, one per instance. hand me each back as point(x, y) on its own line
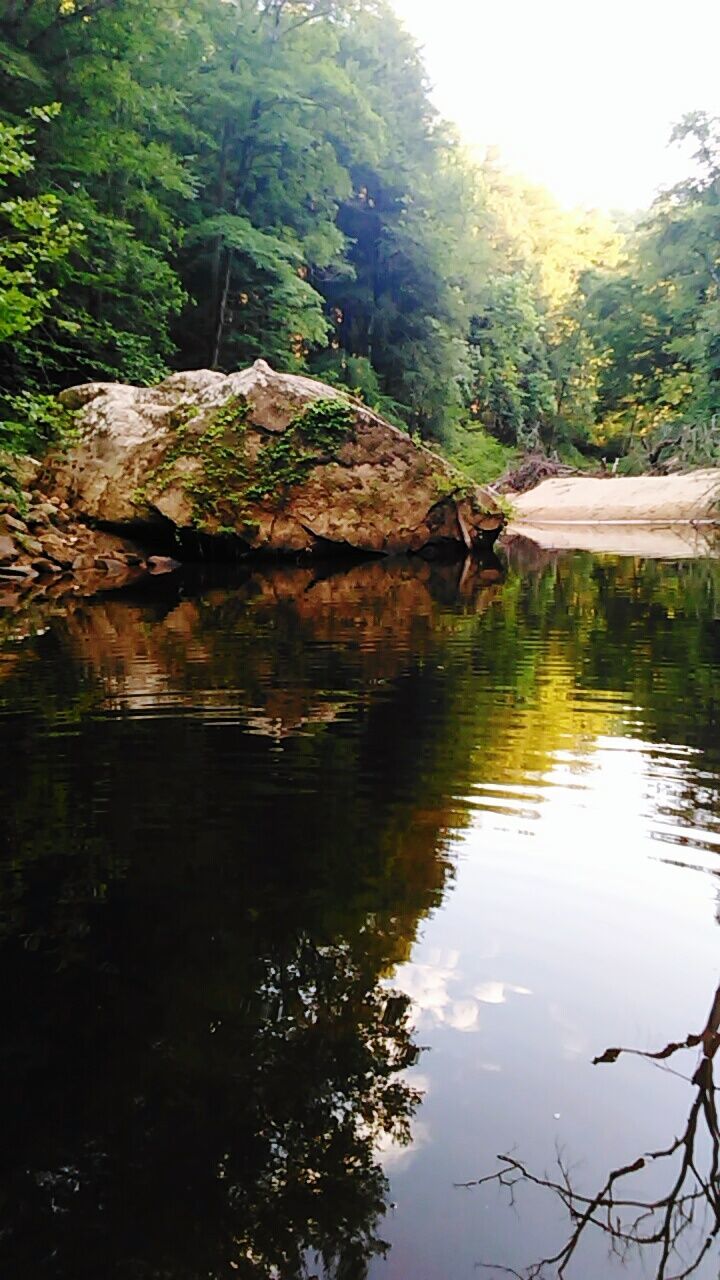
point(477, 453)
point(114, 161)
point(286, 459)
point(356, 375)
point(229, 181)
point(33, 235)
point(511, 387)
point(35, 421)
point(656, 318)
point(677, 446)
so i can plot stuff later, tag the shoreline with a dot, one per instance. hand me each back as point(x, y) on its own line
point(621, 513)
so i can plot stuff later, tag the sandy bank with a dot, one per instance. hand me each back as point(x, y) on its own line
point(651, 500)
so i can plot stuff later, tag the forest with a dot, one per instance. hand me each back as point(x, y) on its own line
point(199, 183)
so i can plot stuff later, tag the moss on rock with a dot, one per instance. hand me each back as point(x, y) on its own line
point(227, 481)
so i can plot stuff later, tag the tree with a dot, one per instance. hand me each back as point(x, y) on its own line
point(410, 226)
point(33, 236)
point(511, 389)
point(657, 318)
point(114, 160)
point(276, 111)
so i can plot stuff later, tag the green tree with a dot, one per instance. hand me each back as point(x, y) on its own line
point(115, 160)
point(277, 112)
point(33, 236)
point(410, 227)
point(511, 389)
point(657, 318)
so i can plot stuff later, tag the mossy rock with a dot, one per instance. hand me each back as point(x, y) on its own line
point(279, 462)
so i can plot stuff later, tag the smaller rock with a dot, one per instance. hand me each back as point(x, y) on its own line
point(33, 546)
point(9, 509)
point(17, 571)
point(8, 550)
point(43, 566)
point(162, 564)
point(83, 561)
point(111, 566)
point(40, 509)
point(58, 589)
point(14, 523)
point(55, 549)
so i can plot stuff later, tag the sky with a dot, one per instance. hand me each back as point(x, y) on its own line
point(577, 96)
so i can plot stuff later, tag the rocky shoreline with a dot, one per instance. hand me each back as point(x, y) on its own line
point(208, 465)
point(39, 539)
point(44, 548)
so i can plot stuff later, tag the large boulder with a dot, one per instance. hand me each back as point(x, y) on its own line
point(270, 461)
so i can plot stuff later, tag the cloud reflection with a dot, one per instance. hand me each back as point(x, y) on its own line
point(436, 991)
point(496, 992)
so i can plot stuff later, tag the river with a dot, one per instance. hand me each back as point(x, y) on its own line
point(323, 891)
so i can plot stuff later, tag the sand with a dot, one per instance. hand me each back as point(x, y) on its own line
point(639, 499)
point(663, 516)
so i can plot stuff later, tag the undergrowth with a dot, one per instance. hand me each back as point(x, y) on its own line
point(478, 454)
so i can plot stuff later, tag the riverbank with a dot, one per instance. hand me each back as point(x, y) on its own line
point(654, 500)
point(205, 466)
point(659, 517)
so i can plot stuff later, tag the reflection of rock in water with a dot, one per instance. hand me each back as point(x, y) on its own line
point(655, 542)
point(202, 918)
point(200, 652)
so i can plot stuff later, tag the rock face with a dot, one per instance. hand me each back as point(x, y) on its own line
point(266, 461)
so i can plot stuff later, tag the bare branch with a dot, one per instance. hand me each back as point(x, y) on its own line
point(689, 1212)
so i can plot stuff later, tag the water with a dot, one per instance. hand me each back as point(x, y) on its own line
point(321, 892)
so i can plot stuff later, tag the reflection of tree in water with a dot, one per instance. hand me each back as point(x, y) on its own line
point(197, 915)
point(679, 1226)
point(196, 920)
point(224, 816)
point(199, 1091)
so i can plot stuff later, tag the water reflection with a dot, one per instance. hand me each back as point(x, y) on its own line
point(208, 872)
point(673, 1230)
point(199, 1056)
point(261, 840)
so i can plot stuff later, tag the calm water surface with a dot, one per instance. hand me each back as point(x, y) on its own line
point(321, 892)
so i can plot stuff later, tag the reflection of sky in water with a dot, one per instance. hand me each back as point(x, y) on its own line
point(579, 920)
point(432, 986)
point(303, 767)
